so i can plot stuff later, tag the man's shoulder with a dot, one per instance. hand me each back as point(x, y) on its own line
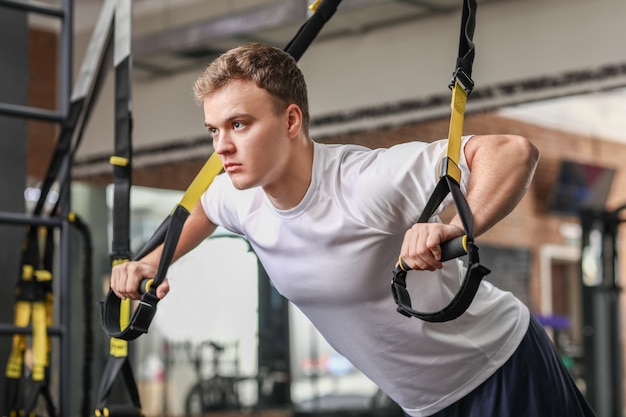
point(340, 148)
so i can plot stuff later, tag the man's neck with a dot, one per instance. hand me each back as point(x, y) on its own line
point(289, 192)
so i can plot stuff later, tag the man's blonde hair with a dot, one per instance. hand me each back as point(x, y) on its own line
point(270, 68)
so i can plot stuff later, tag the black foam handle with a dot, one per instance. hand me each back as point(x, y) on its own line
point(453, 248)
point(450, 249)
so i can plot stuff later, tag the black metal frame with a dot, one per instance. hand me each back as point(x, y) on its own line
point(65, 80)
point(72, 114)
point(600, 297)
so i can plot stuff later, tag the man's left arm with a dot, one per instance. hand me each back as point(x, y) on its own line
point(501, 168)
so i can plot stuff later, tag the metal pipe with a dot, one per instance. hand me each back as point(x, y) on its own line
point(34, 6)
point(9, 330)
point(66, 57)
point(27, 112)
point(65, 178)
point(20, 219)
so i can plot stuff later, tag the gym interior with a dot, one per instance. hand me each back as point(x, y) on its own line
point(87, 86)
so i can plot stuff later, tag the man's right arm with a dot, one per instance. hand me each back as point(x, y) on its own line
point(126, 277)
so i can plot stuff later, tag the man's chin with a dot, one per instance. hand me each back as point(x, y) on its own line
point(241, 185)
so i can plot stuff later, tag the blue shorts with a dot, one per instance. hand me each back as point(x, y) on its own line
point(532, 383)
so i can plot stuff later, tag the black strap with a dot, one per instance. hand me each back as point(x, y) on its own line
point(146, 309)
point(473, 276)
point(122, 162)
point(169, 231)
point(462, 85)
point(309, 30)
point(120, 246)
point(465, 59)
point(40, 389)
point(113, 367)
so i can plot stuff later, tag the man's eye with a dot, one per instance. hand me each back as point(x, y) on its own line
point(212, 130)
point(238, 125)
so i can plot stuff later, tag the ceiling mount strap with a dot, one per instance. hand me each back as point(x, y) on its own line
point(449, 183)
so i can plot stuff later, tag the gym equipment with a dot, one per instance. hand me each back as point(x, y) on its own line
point(117, 360)
point(450, 179)
point(33, 290)
point(601, 323)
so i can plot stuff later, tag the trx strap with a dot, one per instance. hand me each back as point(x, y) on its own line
point(169, 231)
point(41, 320)
point(449, 182)
point(33, 307)
point(13, 383)
point(120, 247)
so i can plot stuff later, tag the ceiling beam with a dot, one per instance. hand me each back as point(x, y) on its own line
point(228, 26)
point(238, 25)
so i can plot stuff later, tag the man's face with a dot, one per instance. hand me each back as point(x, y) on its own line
point(248, 134)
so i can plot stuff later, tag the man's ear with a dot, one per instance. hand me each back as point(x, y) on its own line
point(294, 120)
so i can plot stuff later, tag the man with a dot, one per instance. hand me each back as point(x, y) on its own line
point(328, 223)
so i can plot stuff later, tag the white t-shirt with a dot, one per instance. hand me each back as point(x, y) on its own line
point(332, 256)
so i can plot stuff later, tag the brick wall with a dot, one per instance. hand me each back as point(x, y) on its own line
point(42, 93)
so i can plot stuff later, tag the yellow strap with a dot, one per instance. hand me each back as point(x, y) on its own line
point(49, 311)
point(43, 275)
point(16, 357)
point(119, 261)
point(40, 341)
point(118, 347)
point(459, 98)
point(22, 313)
point(49, 304)
point(124, 313)
point(27, 272)
point(313, 7)
point(205, 177)
point(119, 161)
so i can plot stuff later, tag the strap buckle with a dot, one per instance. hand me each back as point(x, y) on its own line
point(464, 80)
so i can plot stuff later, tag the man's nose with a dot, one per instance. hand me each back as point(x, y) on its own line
point(223, 143)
